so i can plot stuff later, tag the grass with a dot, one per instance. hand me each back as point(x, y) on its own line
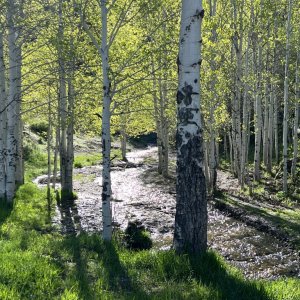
point(39, 263)
point(37, 164)
point(93, 158)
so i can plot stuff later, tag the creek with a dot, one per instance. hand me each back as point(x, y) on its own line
point(138, 196)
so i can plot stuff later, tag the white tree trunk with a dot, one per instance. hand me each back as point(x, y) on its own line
point(56, 151)
point(106, 137)
point(258, 117)
point(123, 137)
point(70, 138)
point(12, 105)
point(271, 130)
point(49, 136)
point(286, 98)
point(157, 118)
point(296, 119)
point(245, 128)
point(2, 120)
point(190, 233)
point(62, 104)
point(163, 127)
point(19, 125)
point(266, 127)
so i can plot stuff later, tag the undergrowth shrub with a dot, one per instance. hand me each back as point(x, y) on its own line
point(136, 237)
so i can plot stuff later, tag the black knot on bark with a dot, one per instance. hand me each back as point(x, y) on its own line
point(179, 97)
point(199, 14)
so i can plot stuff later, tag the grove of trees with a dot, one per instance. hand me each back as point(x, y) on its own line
point(111, 68)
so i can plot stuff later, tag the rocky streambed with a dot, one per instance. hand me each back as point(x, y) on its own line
point(137, 196)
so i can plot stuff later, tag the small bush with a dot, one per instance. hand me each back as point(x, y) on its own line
point(136, 237)
point(40, 128)
point(78, 165)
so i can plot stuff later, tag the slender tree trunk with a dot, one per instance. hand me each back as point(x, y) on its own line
point(12, 106)
point(163, 128)
point(123, 137)
point(286, 98)
point(231, 152)
point(266, 127)
point(225, 146)
point(70, 129)
point(19, 125)
point(276, 138)
point(206, 160)
point(191, 206)
point(258, 116)
point(2, 120)
point(49, 136)
point(296, 119)
point(163, 106)
point(271, 130)
point(245, 128)
point(55, 159)
point(157, 118)
point(62, 105)
point(106, 137)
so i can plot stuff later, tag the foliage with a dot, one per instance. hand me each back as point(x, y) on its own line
point(136, 237)
point(40, 128)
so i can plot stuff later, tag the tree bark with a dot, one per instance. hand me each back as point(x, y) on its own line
point(191, 205)
point(106, 135)
point(2, 120)
point(12, 105)
point(286, 98)
point(296, 119)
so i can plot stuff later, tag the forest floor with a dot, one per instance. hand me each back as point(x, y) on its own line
point(246, 234)
point(39, 262)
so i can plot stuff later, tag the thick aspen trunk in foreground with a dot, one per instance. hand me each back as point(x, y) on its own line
point(191, 206)
point(2, 120)
point(106, 138)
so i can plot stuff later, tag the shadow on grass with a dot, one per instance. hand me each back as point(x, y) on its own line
point(5, 211)
point(69, 217)
point(211, 271)
point(113, 275)
point(100, 272)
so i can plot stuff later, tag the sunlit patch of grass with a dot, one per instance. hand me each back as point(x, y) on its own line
point(84, 178)
point(35, 164)
point(93, 158)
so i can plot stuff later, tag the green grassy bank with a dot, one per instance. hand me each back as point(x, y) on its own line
point(38, 263)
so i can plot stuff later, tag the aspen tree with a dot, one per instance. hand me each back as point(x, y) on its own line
point(12, 103)
point(296, 118)
point(257, 104)
point(286, 96)
point(2, 119)
point(211, 146)
point(106, 138)
point(190, 233)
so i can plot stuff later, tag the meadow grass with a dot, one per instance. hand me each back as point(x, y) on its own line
point(36, 262)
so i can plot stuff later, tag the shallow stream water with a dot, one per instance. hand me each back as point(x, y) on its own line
point(137, 196)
